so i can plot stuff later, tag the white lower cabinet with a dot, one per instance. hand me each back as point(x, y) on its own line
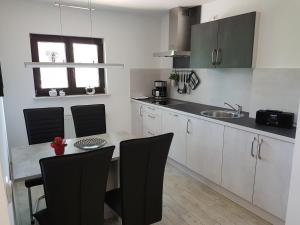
point(204, 148)
point(152, 121)
point(272, 178)
point(239, 161)
point(255, 167)
point(137, 119)
point(176, 123)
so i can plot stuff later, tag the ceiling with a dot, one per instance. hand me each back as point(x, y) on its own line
point(135, 4)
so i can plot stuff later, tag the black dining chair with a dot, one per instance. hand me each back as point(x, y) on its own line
point(75, 188)
point(89, 119)
point(42, 125)
point(138, 201)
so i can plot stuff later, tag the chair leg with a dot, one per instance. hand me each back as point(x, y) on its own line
point(38, 203)
point(30, 206)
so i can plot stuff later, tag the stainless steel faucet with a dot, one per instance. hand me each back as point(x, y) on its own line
point(237, 110)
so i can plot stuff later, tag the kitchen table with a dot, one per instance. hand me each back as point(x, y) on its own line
point(24, 164)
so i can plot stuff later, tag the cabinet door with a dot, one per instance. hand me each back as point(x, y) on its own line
point(204, 148)
point(203, 42)
point(235, 41)
point(272, 178)
point(238, 168)
point(177, 124)
point(152, 122)
point(137, 119)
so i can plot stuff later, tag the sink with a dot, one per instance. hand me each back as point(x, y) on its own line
point(221, 114)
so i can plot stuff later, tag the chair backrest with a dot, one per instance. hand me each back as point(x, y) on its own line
point(142, 166)
point(89, 119)
point(43, 124)
point(75, 187)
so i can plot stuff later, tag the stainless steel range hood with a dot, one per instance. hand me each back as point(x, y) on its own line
point(180, 21)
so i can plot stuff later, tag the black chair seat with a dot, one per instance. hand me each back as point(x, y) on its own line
point(113, 200)
point(33, 182)
point(42, 217)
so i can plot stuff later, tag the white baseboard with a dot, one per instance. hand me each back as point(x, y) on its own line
point(257, 211)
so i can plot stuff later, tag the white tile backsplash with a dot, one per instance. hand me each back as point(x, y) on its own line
point(277, 89)
point(256, 89)
point(218, 86)
point(141, 81)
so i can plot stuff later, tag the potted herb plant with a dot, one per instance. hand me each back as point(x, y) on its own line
point(174, 78)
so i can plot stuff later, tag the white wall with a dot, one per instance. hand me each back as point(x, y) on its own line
point(5, 207)
point(130, 38)
point(277, 32)
point(293, 216)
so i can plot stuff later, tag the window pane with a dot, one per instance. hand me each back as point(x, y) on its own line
point(53, 77)
point(86, 53)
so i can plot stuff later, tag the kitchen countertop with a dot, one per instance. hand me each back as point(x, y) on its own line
point(246, 121)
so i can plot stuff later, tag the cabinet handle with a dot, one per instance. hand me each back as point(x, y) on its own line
point(188, 127)
point(151, 108)
point(213, 61)
point(141, 110)
point(252, 153)
point(259, 149)
point(150, 133)
point(152, 117)
point(171, 114)
point(219, 54)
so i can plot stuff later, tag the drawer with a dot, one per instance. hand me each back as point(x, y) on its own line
point(148, 133)
point(151, 110)
point(152, 122)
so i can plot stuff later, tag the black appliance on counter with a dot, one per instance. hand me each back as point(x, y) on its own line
point(1, 83)
point(275, 118)
point(160, 90)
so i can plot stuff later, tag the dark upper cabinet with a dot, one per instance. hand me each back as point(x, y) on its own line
point(203, 45)
point(225, 43)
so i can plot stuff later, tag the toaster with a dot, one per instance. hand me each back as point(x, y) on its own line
point(275, 118)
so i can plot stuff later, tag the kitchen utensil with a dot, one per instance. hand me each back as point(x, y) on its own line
point(179, 90)
point(184, 84)
point(188, 90)
point(194, 80)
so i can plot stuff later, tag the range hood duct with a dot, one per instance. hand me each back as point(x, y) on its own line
point(181, 20)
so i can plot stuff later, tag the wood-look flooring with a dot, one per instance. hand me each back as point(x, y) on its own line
point(189, 202)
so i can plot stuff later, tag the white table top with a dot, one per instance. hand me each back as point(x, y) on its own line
point(25, 159)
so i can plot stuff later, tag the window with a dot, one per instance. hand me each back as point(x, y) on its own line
point(51, 48)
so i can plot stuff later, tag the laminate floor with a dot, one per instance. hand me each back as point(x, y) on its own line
point(189, 202)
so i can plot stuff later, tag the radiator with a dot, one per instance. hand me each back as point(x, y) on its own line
point(69, 127)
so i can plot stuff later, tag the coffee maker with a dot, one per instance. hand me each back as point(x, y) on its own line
point(160, 90)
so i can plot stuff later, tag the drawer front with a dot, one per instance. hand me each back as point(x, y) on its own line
point(152, 122)
point(151, 110)
point(148, 133)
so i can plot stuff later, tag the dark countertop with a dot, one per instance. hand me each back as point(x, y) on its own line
point(246, 121)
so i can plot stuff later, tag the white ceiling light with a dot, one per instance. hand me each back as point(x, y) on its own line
point(69, 64)
point(57, 4)
point(148, 5)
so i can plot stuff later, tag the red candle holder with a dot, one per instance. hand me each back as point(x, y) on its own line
point(59, 146)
